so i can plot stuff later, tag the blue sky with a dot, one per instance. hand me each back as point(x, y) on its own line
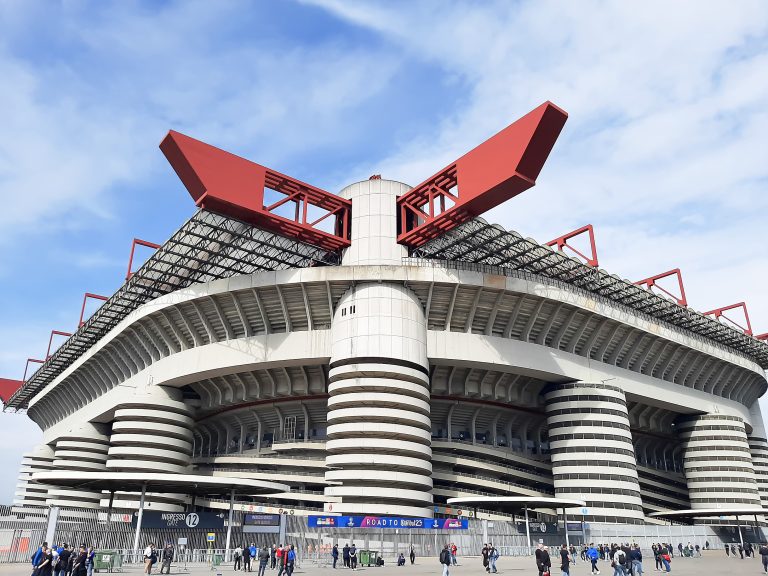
point(664, 151)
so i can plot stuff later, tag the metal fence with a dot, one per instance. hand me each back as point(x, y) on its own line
point(22, 529)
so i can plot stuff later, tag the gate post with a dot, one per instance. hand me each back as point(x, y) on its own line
point(53, 519)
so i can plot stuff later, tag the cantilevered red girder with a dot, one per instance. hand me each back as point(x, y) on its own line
point(8, 388)
point(85, 299)
point(50, 340)
point(562, 243)
point(498, 169)
point(762, 336)
point(138, 242)
point(651, 282)
point(233, 186)
point(717, 312)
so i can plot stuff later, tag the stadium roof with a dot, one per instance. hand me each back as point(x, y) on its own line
point(207, 247)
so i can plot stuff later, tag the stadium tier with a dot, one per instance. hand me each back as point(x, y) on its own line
point(384, 349)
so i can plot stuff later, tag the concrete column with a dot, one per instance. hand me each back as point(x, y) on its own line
point(717, 461)
point(28, 493)
point(591, 449)
point(152, 432)
point(758, 449)
point(379, 427)
point(81, 449)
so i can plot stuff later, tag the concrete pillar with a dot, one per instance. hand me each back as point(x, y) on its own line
point(81, 449)
point(712, 442)
point(591, 449)
point(152, 432)
point(758, 449)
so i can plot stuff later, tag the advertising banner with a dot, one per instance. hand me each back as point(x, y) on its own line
point(388, 522)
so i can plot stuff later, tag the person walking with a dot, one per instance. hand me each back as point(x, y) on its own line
point(272, 556)
point(167, 558)
point(484, 553)
point(493, 555)
point(763, 551)
point(78, 564)
point(445, 560)
point(412, 555)
point(666, 559)
point(290, 561)
point(565, 561)
point(280, 554)
point(636, 560)
point(593, 555)
point(246, 558)
point(90, 561)
point(44, 565)
point(618, 558)
point(149, 551)
point(263, 560)
point(238, 557)
point(335, 554)
point(454, 549)
point(345, 555)
point(543, 562)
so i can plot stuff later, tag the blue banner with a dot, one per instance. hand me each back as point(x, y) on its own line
point(388, 522)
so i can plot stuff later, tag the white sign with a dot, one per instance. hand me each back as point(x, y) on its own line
point(182, 542)
point(192, 520)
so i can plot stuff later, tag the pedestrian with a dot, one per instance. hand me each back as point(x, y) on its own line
point(763, 550)
point(246, 558)
point(666, 559)
point(280, 554)
point(149, 551)
point(238, 557)
point(727, 550)
point(335, 554)
point(90, 560)
point(353, 556)
point(412, 555)
point(741, 551)
point(263, 560)
point(636, 559)
point(37, 557)
point(541, 557)
point(78, 564)
point(167, 558)
point(484, 553)
point(572, 551)
point(290, 561)
point(593, 555)
point(345, 555)
point(565, 561)
point(454, 549)
point(445, 560)
point(618, 559)
point(272, 556)
point(493, 555)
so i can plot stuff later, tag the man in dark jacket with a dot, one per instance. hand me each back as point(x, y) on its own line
point(168, 553)
point(60, 567)
point(78, 565)
point(345, 555)
point(445, 560)
point(543, 562)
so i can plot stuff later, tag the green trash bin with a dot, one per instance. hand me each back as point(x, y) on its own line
point(104, 560)
point(216, 560)
point(373, 557)
point(365, 557)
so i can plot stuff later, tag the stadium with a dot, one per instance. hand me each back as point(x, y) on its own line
point(384, 352)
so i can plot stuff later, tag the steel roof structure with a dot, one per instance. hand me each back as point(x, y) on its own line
point(207, 247)
point(478, 242)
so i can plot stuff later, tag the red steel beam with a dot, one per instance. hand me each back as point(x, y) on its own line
point(233, 186)
point(495, 171)
point(762, 336)
point(138, 242)
point(649, 283)
point(36, 361)
point(562, 243)
point(718, 312)
point(50, 340)
point(8, 388)
point(85, 299)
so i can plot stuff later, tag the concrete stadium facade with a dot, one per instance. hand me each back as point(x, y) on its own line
point(386, 385)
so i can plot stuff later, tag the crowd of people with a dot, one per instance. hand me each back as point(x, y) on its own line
point(63, 560)
point(280, 557)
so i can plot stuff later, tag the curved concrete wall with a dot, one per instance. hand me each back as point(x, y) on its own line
point(82, 449)
point(590, 445)
point(379, 445)
point(38, 460)
point(717, 461)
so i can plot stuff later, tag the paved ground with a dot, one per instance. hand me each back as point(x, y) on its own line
point(711, 562)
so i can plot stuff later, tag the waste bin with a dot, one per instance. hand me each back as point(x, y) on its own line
point(104, 560)
point(216, 560)
point(365, 557)
point(373, 556)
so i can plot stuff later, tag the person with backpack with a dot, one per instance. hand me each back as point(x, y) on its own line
point(593, 555)
point(238, 555)
point(445, 560)
point(618, 559)
point(763, 551)
point(263, 560)
point(493, 555)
